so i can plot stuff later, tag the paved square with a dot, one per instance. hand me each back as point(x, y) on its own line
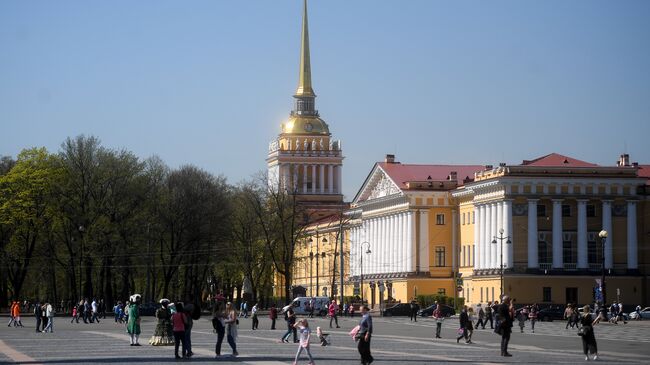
point(396, 341)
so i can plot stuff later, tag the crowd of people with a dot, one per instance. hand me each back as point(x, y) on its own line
point(175, 321)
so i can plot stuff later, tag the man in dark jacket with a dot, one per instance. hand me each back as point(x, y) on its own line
point(37, 315)
point(464, 322)
point(414, 310)
point(505, 324)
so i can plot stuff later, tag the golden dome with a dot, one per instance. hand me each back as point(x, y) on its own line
point(305, 124)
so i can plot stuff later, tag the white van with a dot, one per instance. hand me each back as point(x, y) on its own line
point(301, 305)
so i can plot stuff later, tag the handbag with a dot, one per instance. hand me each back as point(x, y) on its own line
point(354, 332)
point(583, 331)
point(460, 331)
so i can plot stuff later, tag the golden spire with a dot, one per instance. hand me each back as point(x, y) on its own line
point(304, 77)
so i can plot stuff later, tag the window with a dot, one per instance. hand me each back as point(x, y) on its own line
point(473, 257)
point(481, 295)
point(463, 219)
point(566, 210)
point(541, 210)
point(493, 294)
point(594, 255)
point(571, 295)
point(440, 256)
point(544, 252)
point(569, 253)
point(440, 219)
point(591, 210)
point(464, 252)
point(442, 291)
point(473, 215)
point(546, 294)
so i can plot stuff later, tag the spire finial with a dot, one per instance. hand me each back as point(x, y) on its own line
point(304, 77)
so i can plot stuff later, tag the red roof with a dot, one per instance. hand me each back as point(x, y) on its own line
point(557, 160)
point(401, 173)
point(644, 171)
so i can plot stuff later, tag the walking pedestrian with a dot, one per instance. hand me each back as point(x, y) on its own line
point(521, 318)
point(11, 313)
point(133, 324)
point(532, 315)
point(179, 322)
point(290, 317)
point(95, 311)
point(231, 328)
point(273, 315)
point(488, 315)
point(638, 312)
point(163, 335)
point(255, 320)
point(364, 335)
point(15, 315)
point(505, 325)
point(588, 338)
point(481, 317)
point(190, 309)
point(218, 322)
point(437, 314)
point(49, 313)
point(470, 324)
point(414, 310)
point(305, 334)
point(44, 319)
point(37, 315)
point(462, 330)
point(332, 312)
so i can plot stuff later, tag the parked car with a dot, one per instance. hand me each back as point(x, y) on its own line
point(592, 313)
point(399, 309)
point(301, 305)
point(447, 311)
point(550, 314)
point(645, 314)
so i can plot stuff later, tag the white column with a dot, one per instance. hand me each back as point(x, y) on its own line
point(394, 244)
point(508, 258)
point(500, 227)
point(304, 179)
point(321, 179)
point(399, 244)
point(533, 256)
point(382, 247)
point(477, 245)
point(330, 179)
point(494, 259)
point(409, 242)
point(483, 230)
point(632, 258)
point(607, 225)
point(424, 239)
point(374, 245)
point(339, 179)
point(583, 249)
point(557, 234)
point(353, 240)
point(313, 179)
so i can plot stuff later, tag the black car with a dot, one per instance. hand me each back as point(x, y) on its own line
point(550, 314)
point(446, 310)
point(399, 309)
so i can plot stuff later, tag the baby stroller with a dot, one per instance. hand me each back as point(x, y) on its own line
point(324, 338)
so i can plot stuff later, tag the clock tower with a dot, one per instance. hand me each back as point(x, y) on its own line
point(304, 159)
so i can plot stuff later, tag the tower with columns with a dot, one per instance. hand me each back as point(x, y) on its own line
point(304, 159)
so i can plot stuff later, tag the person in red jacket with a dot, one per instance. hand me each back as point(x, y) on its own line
point(273, 315)
point(15, 314)
point(332, 312)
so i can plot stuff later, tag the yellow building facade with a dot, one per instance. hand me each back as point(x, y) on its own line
point(541, 220)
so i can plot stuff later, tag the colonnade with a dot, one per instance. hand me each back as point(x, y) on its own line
point(391, 242)
point(297, 176)
point(490, 219)
point(582, 234)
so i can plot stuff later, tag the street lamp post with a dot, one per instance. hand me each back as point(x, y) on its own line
point(361, 264)
point(603, 239)
point(311, 240)
point(311, 273)
point(501, 239)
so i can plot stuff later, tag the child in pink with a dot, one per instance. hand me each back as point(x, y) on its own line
point(305, 334)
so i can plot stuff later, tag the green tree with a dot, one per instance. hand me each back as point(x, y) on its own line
point(25, 205)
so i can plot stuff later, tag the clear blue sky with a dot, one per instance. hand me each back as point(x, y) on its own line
point(209, 82)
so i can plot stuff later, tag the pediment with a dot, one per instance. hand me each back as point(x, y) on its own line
point(378, 185)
